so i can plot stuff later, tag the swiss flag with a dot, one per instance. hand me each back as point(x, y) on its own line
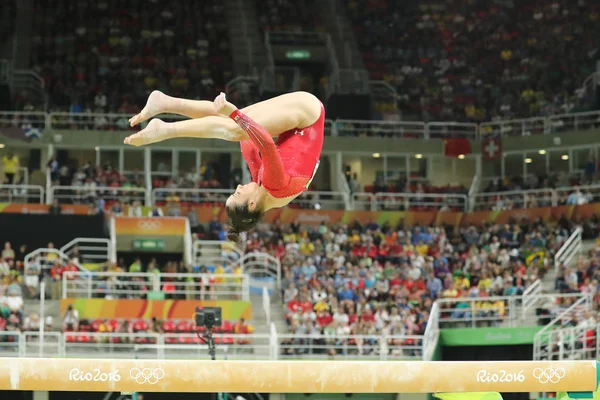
point(457, 147)
point(491, 148)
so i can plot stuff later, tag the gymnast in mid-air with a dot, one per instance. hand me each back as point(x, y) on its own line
point(280, 171)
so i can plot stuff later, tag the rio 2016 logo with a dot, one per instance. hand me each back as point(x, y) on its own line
point(95, 376)
point(502, 376)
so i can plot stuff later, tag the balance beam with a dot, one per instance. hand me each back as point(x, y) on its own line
point(115, 375)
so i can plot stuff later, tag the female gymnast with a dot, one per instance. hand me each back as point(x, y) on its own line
point(280, 171)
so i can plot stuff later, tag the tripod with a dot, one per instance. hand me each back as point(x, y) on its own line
point(207, 338)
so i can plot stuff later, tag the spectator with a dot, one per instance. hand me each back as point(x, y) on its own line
point(11, 167)
point(55, 208)
point(71, 320)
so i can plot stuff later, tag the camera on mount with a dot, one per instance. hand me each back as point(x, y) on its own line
point(208, 317)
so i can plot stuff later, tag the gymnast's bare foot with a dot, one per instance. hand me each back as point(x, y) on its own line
point(157, 103)
point(156, 131)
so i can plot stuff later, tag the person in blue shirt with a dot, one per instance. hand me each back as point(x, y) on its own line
point(309, 269)
point(346, 293)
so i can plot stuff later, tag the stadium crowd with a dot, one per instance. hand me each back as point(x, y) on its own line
point(372, 279)
point(480, 61)
point(106, 57)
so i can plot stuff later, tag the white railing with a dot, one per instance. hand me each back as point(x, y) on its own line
point(266, 305)
point(40, 259)
point(364, 201)
point(9, 344)
point(82, 194)
point(404, 201)
point(416, 129)
point(33, 345)
point(475, 312)
point(569, 249)
point(574, 312)
point(215, 252)
point(308, 199)
point(351, 347)
point(570, 343)
point(23, 172)
point(23, 120)
point(432, 333)
point(89, 250)
point(272, 346)
point(515, 199)
point(21, 194)
point(438, 130)
point(549, 305)
point(264, 270)
point(174, 285)
point(530, 296)
point(473, 190)
point(383, 129)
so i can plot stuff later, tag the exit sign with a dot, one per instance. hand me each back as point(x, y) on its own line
point(298, 54)
point(148, 244)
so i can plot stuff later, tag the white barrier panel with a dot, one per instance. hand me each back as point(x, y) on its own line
point(21, 194)
point(175, 285)
point(412, 129)
point(296, 376)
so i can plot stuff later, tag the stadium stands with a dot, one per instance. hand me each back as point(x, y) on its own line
point(479, 61)
point(107, 57)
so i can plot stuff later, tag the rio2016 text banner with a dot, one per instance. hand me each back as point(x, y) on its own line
point(296, 376)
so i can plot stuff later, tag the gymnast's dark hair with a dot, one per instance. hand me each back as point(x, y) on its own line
point(241, 219)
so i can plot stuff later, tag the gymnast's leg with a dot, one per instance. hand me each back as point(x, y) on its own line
point(276, 115)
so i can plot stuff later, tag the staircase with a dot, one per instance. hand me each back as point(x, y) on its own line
point(342, 34)
point(260, 321)
point(23, 34)
point(247, 44)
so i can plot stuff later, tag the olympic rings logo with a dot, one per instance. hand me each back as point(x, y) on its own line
point(147, 375)
point(149, 225)
point(549, 375)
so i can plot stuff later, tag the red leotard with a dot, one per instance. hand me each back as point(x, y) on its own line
point(287, 167)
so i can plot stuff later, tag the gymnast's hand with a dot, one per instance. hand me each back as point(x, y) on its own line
point(156, 131)
point(222, 106)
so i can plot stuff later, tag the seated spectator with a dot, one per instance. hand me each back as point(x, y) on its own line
point(71, 320)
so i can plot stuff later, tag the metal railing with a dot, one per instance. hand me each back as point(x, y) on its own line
point(263, 269)
point(266, 305)
point(542, 341)
point(418, 129)
point(542, 307)
point(546, 197)
point(477, 312)
point(89, 250)
point(570, 343)
point(82, 194)
point(45, 258)
point(351, 347)
point(215, 252)
point(568, 250)
point(530, 297)
point(174, 285)
point(308, 199)
point(21, 177)
point(272, 346)
point(406, 201)
point(432, 332)
point(21, 194)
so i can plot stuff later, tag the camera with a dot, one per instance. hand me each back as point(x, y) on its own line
point(208, 317)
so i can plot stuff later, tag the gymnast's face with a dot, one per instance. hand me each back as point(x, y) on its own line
point(244, 194)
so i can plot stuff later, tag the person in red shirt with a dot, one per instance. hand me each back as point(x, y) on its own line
point(324, 318)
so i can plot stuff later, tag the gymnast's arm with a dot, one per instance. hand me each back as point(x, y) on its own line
point(274, 175)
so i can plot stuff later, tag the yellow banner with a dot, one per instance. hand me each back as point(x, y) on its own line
point(295, 376)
